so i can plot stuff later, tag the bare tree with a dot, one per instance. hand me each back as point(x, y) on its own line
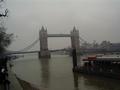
point(5, 14)
point(5, 38)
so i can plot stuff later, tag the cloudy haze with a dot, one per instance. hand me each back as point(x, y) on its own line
point(96, 20)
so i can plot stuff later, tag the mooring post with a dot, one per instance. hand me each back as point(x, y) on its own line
point(74, 56)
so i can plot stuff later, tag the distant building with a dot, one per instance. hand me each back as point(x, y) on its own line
point(115, 47)
point(104, 47)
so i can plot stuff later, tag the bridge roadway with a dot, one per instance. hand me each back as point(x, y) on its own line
point(59, 35)
point(25, 52)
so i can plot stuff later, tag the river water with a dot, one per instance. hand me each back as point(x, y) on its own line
point(56, 74)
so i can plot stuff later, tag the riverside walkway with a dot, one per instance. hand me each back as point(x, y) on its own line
point(14, 83)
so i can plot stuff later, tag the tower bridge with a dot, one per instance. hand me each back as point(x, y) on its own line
point(43, 37)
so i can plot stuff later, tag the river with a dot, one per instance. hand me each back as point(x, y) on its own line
point(56, 74)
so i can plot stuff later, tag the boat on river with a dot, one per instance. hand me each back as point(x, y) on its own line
point(104, 65)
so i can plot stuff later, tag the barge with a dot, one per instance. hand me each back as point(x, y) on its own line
point(106, 65)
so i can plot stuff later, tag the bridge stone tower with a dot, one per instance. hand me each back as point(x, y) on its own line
point(44, 52)
point(75, 40)
point(43, 36)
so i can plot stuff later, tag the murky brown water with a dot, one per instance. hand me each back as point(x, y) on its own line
point(56, 74)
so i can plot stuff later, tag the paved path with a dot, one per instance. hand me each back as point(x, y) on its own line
point(14, 84)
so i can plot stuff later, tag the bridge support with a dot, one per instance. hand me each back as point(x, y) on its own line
point(75, 40)
point(75, 47)
point(44, 52)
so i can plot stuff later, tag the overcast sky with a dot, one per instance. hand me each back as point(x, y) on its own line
point(96, 20)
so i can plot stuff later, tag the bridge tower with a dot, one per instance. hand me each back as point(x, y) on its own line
point(44, 52)
point(75, 40)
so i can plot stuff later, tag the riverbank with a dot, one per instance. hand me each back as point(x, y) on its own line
point(16, 83)
point(26, 85)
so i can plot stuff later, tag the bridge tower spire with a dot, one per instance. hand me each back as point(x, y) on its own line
point(44, 52)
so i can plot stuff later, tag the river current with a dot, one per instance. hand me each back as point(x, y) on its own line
point(56, 74)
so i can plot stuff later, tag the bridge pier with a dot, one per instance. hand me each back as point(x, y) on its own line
point(75, 47)
point(44, 52)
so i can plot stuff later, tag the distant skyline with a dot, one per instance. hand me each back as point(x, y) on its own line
point(96, 20)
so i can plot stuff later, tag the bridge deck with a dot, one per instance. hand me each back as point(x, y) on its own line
point(26, 52)
point(59, 35)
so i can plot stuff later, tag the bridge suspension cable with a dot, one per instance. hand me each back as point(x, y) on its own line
point(82, 40)
point(37, 40)
point(30, 46)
